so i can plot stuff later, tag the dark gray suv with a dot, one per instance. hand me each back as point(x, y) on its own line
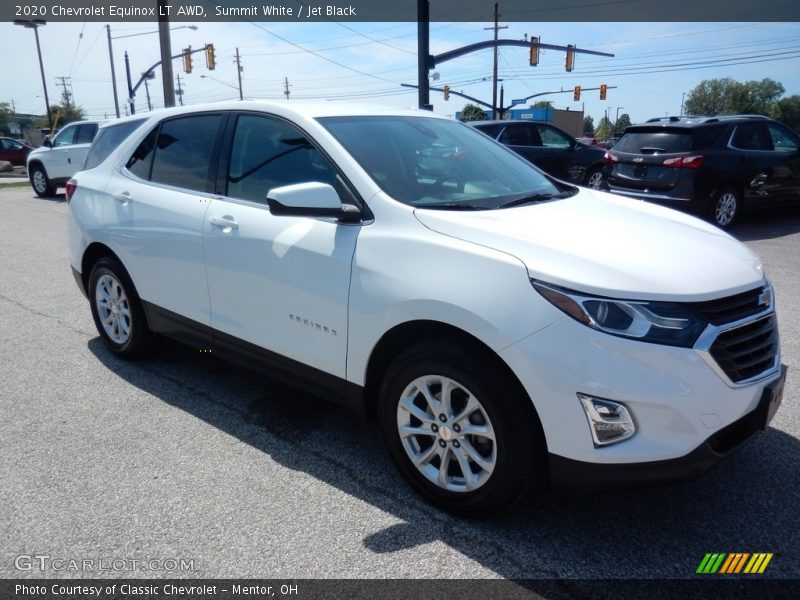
point(715, 167)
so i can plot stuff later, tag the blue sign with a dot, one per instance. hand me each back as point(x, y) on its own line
point(520, 101)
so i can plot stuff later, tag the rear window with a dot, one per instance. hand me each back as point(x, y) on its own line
point(667, 141)
point(107, 141)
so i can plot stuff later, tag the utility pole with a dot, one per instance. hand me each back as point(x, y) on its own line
point(286, 87)
point(239, 73)
point(113, 73)
point(66, 94)
point(423, 53)
point(166, 54)
point(130, 86)
point(494, 70)
point(179, 91)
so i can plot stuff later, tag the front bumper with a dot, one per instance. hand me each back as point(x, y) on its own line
point(574, 476)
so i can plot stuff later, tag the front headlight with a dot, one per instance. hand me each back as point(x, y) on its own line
point(665, 323)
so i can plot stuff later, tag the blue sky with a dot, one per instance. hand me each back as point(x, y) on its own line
point(654, 63)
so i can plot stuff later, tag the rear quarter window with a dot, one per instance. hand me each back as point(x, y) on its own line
point(107, 140)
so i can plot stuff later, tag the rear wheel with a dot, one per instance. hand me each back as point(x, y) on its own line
point(725, 208)
point(41, 184)
point(117, 310)
point(464, 436)
point(594, 179)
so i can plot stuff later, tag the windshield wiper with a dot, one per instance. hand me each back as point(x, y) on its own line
point(532, 198)
point(450, 205)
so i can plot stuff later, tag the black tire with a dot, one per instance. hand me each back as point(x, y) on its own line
point(127, 312)
point(41, 183)
point(519, 449)
point(725, 207)
point(594, 178)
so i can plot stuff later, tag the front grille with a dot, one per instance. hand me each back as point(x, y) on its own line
point(732, 308)
point(747, 351)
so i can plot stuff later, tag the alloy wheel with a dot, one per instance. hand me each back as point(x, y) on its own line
point(113, 308)
point(446, 433)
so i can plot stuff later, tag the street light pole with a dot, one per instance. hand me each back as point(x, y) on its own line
point(35, 24)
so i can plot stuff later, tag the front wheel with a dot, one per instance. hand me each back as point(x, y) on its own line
point(117, 310)
point(40, 183)
point(726, 206)
point(463, 435)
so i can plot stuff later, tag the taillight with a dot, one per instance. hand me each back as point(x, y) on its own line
point(610, 159)
point(72, 185)
point(685, 162)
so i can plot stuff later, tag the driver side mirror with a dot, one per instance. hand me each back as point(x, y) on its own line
point(313, 199)
point(47, 142)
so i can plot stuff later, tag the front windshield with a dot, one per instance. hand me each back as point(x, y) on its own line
point(436, 163)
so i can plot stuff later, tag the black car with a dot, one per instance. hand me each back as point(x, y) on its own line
point(549, 148)
point(714, 167)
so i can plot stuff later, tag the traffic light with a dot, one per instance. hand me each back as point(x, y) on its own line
point(577, 95)
point(534, 51)
point(211, 58)
point(603, 90)
point(447, 92)
point(187, 59)
point(570, 62)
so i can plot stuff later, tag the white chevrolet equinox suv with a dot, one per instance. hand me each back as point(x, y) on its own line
point(505, 330)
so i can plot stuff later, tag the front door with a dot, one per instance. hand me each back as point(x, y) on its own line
point(277, 282)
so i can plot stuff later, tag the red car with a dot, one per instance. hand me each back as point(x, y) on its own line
point(13, 151)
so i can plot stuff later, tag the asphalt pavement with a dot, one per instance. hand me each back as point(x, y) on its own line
point(182, 456)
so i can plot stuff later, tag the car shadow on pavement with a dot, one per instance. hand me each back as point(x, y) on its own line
point(767, 224)
point(748, 503)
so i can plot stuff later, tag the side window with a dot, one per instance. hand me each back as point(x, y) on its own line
point(783, 140)
point(85, 134)
point(553, 138)
point(6, 145)
point(107, 141)
point(268, 153)
point(751, 136)
point(183, 151)
point(705, 137)
point(65, 137)
point(520, 135)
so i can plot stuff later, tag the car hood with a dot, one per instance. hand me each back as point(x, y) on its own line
point(608, 245)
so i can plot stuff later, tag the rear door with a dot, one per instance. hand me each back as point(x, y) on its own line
point(158, 204)
point(76, 154)
point(786, 147)
point(759, 165)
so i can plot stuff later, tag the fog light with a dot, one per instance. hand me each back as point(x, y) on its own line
point(610, 422)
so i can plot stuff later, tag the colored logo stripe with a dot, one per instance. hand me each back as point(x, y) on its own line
point(733, 563)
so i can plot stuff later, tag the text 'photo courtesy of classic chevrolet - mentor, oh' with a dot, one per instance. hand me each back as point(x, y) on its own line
point(505, 330)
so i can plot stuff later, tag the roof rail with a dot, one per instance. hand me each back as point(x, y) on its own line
point(672, 119)
point(729, 117)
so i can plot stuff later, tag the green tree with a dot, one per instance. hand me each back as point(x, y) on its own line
point(787, 111)
point(542, 104)
point(588, 126)
point(623, 122)
point(61, 116)
point(472, 112)
point(727, 97)
point(604, 129)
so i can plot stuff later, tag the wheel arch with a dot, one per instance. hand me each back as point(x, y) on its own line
point(410, 333)
point(94, 252)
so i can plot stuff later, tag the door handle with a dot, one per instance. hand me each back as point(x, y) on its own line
point(123, 197)
point(226, 222)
